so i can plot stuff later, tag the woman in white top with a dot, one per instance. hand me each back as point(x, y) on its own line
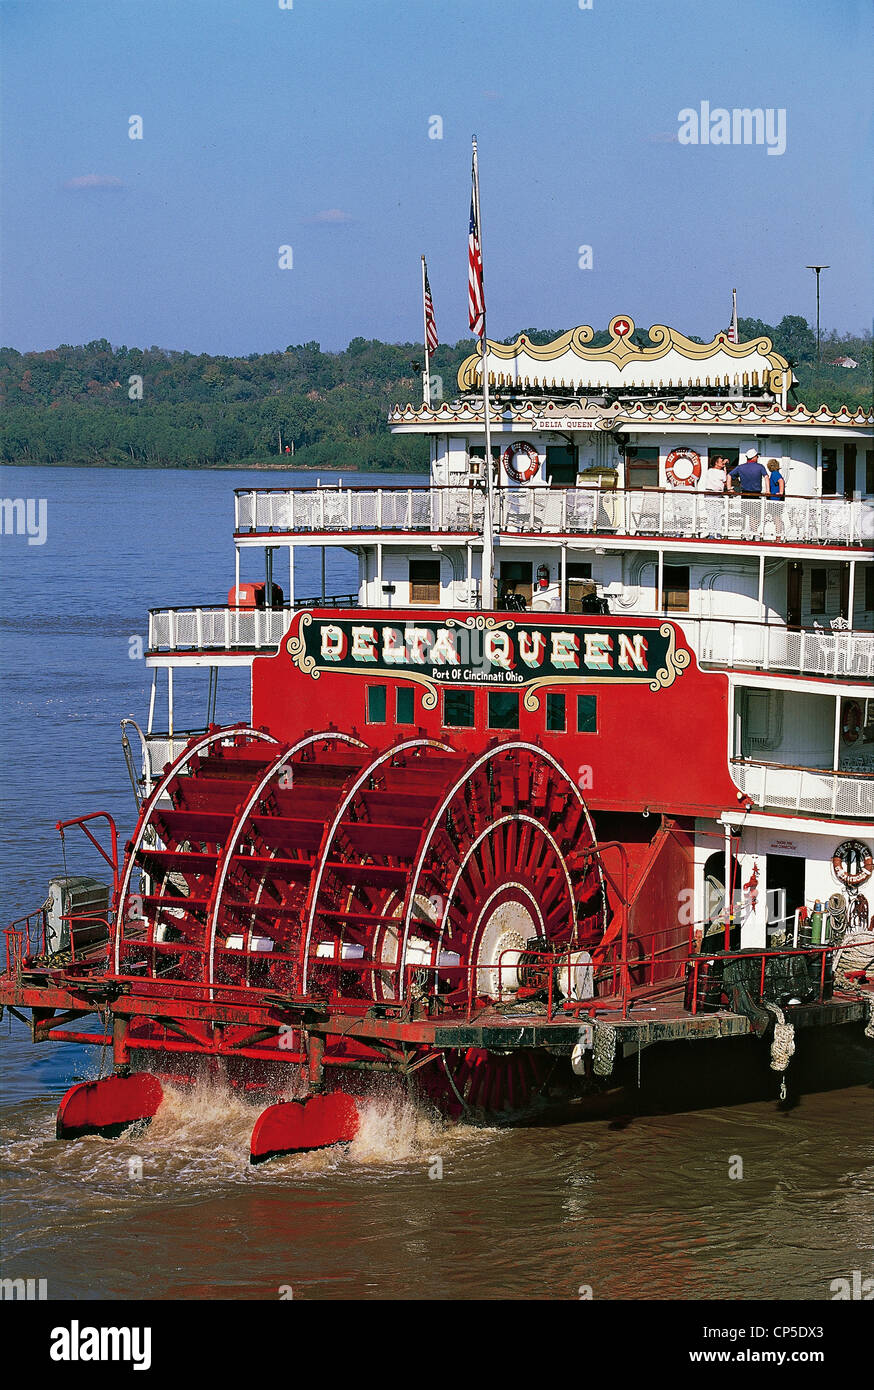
point(714, 478)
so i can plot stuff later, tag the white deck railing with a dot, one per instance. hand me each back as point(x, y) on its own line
point(774, 647)
point(163, 749)
point(560, 511)
point(723, 642)
point(428, 509)
point(823, 793)
point(215, 627)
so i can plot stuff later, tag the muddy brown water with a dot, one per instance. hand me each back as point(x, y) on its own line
point(735, 1202)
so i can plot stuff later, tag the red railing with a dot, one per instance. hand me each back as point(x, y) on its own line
point(25, 937)
point(112, 860)
point(763, 957)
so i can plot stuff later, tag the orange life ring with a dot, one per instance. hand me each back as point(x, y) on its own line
point(683, 468)
point(528, 471)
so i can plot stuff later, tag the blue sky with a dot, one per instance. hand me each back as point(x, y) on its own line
point(309, 127)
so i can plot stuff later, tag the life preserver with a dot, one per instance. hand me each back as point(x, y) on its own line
point(528, 470)
point(852, 863)
point(851, 721)
point(683, 467)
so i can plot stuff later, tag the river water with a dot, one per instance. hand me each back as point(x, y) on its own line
point(736, 1202)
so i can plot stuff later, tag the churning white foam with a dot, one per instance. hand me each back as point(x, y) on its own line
point(200, 1138)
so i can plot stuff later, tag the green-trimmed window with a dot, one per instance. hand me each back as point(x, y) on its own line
point(503, 709)
point(458, 709)
point(556, 714)
point(405, 708)
point(587, 714)
point(376, 704)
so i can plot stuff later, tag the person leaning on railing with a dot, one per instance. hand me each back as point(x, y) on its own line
point(714, 480)
point(714, 477)
point(776, 481)
point(750, 474)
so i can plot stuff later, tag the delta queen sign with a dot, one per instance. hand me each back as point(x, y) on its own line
point(663, 724)
point(484, 650)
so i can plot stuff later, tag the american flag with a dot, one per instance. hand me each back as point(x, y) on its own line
point(476, 303)
point(731, 330)
point(430, 326)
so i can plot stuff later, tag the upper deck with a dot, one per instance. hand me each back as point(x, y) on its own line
point(617, 515)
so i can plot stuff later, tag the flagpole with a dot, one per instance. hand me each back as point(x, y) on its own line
point(426, 379)
point(488, 566)
point(734, 313)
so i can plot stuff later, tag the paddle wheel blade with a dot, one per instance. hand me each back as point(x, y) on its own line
point(107, 1107)
point(297, 1125)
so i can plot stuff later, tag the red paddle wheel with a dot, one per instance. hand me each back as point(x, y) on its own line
point(350, 880)
point(220, 864)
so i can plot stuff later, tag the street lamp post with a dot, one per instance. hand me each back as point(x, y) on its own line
point(818, 270)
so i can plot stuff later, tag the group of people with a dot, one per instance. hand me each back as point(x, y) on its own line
point(509, 600)
point(746, 477)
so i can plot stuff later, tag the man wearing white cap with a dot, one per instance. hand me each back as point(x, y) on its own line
point(750, 473)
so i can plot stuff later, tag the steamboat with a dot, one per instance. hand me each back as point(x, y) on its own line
point(582, 773)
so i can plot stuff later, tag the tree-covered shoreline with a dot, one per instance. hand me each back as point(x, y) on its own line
point(99, 406)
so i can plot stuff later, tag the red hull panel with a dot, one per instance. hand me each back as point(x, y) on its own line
point(663, 748)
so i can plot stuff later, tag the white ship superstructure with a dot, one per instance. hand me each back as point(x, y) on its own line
point(598, 457)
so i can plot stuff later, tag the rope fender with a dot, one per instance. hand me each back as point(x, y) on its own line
point(604, 1049)
point(783, 1041)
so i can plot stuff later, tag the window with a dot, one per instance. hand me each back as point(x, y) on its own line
point(818, 584)
point(829, 472)
point(519, 573)
point(642, 468)
point(503, 709)
point(405, 706)
point(577, 574)
point(761, 721)
point(376, 704)
point(869, 471)
point(556, 716)
point(849, 470)
point(561, 465)
point(424, 581)
point(675, 589)
point(869, 588)
point(458, 709)
point(587, 714)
